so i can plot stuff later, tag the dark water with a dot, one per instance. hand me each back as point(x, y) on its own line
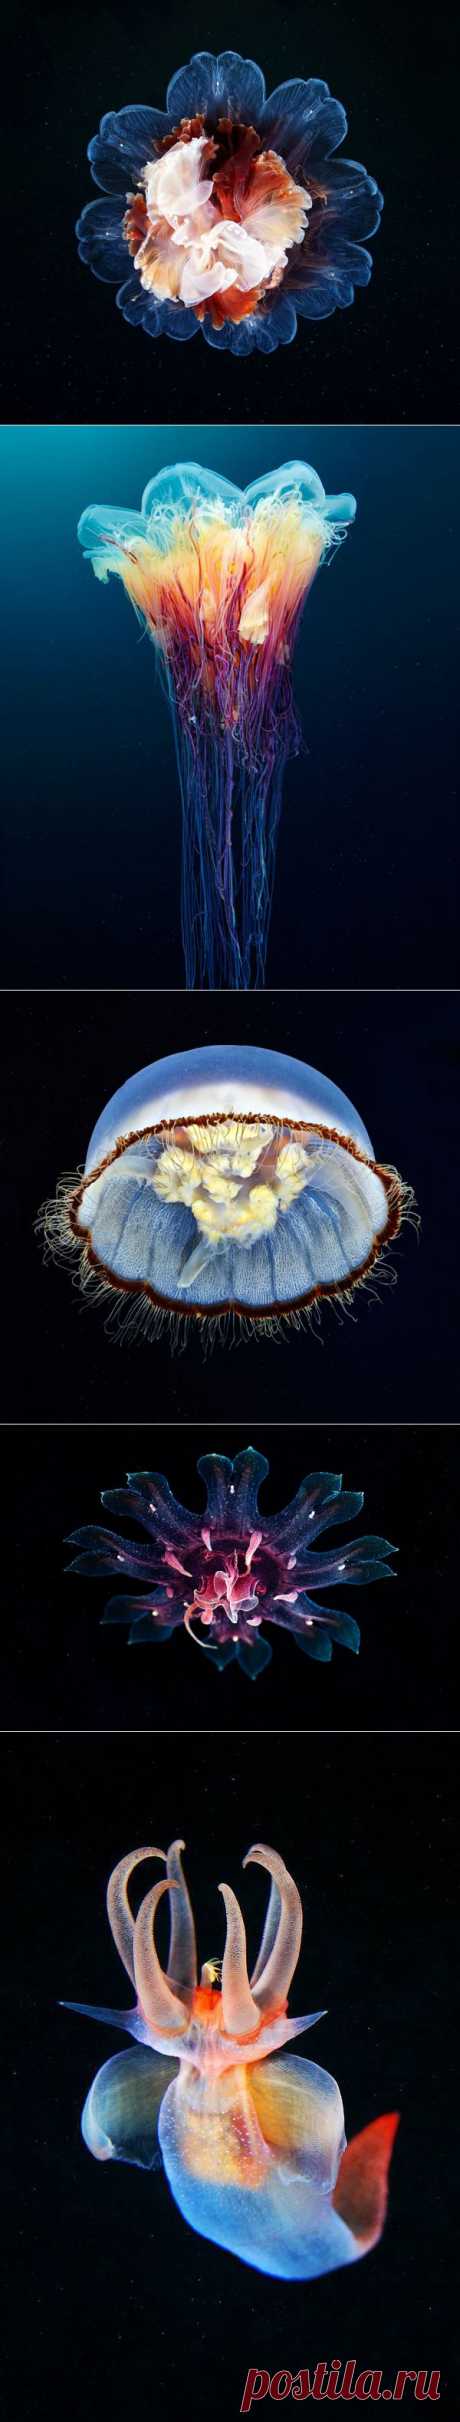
point(59, 1667)
point(69, 355)
point(394, 1359)
point(125, 2305)
point(368, 852)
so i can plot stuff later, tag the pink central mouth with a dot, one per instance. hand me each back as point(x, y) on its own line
point(230, 1588)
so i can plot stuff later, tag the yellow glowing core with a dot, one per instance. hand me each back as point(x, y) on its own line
point(201, 573)
point(236, 1180)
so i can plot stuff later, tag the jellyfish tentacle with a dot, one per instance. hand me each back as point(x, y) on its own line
point(119, 1914)
point(274, 1979)
point(164, 2012)
point(220, 587)
point(241, 2014)
point(182, 1961)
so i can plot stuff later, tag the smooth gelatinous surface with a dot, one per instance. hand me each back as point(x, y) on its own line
point(253, 2145)
point(228, 1180)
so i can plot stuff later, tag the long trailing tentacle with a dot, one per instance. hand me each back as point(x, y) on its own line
point(241, 2014)
point(274, 1979)
point(164, 2012)
point(119, 1913)
point(182, 1961)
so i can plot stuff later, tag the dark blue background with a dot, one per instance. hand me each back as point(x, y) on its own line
point(368, 851)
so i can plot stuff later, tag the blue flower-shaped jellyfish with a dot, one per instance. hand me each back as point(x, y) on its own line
point(228, 210)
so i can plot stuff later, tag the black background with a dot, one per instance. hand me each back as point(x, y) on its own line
point(59, 1667)
point(395, 1358)
point(390, 357)
point(116, 2305)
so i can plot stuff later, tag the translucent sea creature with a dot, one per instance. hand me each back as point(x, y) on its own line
point(253, 2146)
point(227, 211)
point(218, 577)
point(225, 1572)
point(229, 1180)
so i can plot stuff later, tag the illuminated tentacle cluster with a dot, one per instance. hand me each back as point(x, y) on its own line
point(253, 2146)
point(218, 576)
point(227, 211)
point(225, 1573)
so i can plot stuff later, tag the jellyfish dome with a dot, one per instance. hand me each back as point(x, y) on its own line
point(228, 210)
point(218, 577)
point(229, 1180)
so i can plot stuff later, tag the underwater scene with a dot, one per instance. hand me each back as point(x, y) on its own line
point(229, 1092)
point(226, 754)
point(263, 1575)
point(211, 1197)
point(237, 1986)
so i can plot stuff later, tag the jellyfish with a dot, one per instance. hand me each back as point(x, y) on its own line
point(224, 1182)
point(227, 211)
point(218, 577)
point(224, 1573)
point(253, 2144)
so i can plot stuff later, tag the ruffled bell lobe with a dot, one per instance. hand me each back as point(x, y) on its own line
point(228, 211)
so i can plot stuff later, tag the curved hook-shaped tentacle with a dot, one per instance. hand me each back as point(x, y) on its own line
point(163, 2011)
point(119, 1914)
point(269, 1933)
point(182, 1961)
point(274, 1979)
point(241, 2014)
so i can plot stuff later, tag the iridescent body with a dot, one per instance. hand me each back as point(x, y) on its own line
point(226, 1573)
point(253, 2145)
point(227, 210)
point(228, 1180)
point(219, 576)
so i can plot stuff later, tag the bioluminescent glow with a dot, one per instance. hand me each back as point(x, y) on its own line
point(227, 1572)
point(227, 210)
point(253, 2146)
point(218, 577)
point(228, 1180)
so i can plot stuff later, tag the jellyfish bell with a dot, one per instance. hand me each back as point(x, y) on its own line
point(218, 577)
point(228, 1180)
point(228, 210)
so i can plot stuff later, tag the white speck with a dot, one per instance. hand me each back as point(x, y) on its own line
point(120, 1559)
